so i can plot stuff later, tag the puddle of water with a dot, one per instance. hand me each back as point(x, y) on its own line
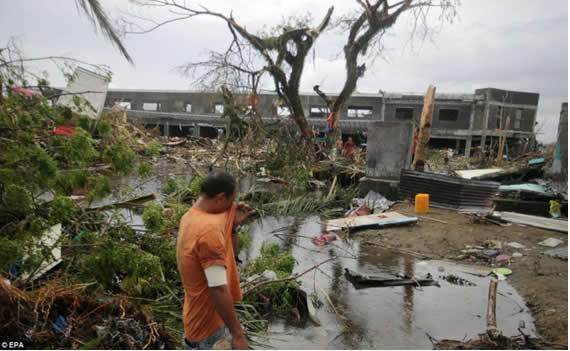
point(386, 318)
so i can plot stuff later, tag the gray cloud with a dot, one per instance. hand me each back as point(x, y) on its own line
point(519, 45)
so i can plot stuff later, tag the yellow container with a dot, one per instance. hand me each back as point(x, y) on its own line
point(422, 203)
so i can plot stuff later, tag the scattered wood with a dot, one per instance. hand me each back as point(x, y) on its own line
point(425, 127)
point(174, 143)
point(338, 315)
point(491, 310)
point(293, 277)
point(534, 221)
point(361, 281)
point(331, 191)
point(432, 219)
point(136, 202)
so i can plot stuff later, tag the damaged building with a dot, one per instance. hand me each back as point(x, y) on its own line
point(461, 121)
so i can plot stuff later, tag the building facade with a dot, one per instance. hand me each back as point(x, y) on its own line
point(460, 121)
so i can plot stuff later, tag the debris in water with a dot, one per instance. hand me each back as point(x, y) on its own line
point(453, 279)
point(361, 281)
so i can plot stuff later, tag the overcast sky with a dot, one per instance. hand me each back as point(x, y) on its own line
point(516, 45)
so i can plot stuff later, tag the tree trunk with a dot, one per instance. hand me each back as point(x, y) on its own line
point(425, 127)
point(298, 115)
point(353, 73)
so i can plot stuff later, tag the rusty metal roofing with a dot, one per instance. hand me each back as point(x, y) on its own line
point(462, 195)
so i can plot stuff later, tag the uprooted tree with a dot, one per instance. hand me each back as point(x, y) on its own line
point(283, 50)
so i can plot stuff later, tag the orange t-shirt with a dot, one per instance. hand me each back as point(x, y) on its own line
point(204, 240)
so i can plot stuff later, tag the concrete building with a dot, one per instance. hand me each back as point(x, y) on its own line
point(461, 121)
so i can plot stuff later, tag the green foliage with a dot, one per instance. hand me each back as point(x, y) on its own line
point(101, 188)
point(271, 258)
point(244, 241)
point(80, 148)
point(153, 149)
point(153, 219)
point(85, 122)
point(65, 182)
point(104, 127)
point(120, 156)
point(17, 200)
point(144, 170)
point(12, 249)
point(120, 265)
point(196, 186)
point(303, 206)
point(62, 209)
point(170, 187)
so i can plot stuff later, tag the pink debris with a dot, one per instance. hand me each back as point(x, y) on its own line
point(64, 130)
point(502, 259)
point(322, 240)
point(24, 91)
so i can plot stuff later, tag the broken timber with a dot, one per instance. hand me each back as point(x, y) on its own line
point(425, 127)
point(361, 281)
point(491, 311)
point(534, 221)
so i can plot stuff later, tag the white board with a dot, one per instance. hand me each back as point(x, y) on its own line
point(86, 81)
point(534, 221)
point(379, 219)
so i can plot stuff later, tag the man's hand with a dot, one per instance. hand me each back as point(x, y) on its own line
point(242, 213)
point(239, 342)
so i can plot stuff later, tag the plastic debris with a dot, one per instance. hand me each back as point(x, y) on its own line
point(502, 259)
point(490, 253)
point(516, 245)
point(502, 271)
point(375, 202)
point(561, 252)
point(550, 242)
point(517, 255)
point(322, 240)
point(554, 209)
point(60, 324)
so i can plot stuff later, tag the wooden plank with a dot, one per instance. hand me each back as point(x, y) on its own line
point(425, 126)
point(491, 310)
point(378, 220)
point(534, 221)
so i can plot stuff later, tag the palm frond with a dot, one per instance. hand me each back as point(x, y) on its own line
point(99, 18)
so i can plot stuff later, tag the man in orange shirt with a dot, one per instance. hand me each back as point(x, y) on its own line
point(207, 240)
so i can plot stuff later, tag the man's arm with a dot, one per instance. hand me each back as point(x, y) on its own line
point(224, 303)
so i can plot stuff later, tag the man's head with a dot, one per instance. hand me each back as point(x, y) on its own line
point(219, 189)
point(349, 138)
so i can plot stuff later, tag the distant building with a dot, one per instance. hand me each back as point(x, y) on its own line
point(461, 121)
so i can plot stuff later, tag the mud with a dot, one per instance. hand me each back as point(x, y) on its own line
point(541, 280)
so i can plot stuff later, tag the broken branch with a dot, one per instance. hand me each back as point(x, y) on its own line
point(294, 277)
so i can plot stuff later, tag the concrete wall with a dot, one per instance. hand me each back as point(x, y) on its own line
point(389, 149)
point(512, 97)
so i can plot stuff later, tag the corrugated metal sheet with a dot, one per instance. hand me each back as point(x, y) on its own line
point(462, 195)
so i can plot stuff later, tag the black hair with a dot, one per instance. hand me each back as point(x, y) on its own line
point(218, 182)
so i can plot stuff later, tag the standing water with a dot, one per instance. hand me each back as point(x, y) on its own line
point(384, 317)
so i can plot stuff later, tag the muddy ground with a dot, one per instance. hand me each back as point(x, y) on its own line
point(540, 279)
